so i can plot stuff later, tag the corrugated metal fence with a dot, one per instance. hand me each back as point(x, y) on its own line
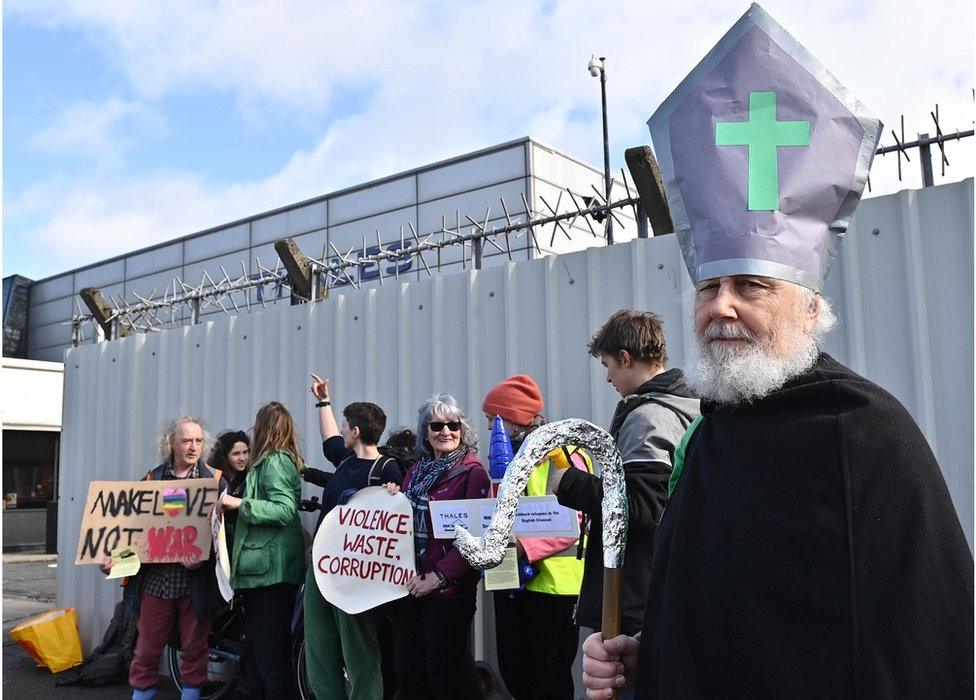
point(902, 288)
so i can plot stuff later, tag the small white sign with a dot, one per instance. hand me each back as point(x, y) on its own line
point(537, 516)
point(221, 552)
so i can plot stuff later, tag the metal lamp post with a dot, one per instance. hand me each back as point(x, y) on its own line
point(597, 67)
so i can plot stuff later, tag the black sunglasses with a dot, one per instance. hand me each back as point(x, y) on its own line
point(438, 425)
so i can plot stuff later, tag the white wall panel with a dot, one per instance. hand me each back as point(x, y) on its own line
point(162, 258)
point(307, 218)
point(269, 228)
point(54, 288)
point(904, 297)
point(554, 167)
point(472, 173)
point(225, 240)
point(100, 275)
point(52, 311)
point(373, 200)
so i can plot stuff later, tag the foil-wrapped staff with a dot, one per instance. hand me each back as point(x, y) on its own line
point(487, 551)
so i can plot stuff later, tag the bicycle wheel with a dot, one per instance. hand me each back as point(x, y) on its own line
point(225, 644)
point(301, 670)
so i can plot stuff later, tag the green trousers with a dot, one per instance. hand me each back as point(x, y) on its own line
point(335, 640)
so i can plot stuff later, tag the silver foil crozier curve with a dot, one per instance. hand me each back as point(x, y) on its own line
point(487, 552)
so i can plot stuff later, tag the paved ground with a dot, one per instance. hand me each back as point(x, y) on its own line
point(30, 588)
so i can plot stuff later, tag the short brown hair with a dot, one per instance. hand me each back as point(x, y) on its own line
point(641, 333)
point(369, 418)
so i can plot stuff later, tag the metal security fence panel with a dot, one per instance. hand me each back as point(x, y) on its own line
point(903, 294)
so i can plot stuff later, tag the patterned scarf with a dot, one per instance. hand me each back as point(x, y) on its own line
point(429, 471)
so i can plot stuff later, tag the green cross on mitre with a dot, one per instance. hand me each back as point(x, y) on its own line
point(763, 135)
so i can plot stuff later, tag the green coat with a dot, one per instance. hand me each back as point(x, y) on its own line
point(268, 543)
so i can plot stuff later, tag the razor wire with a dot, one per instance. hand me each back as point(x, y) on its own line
point(183, 303)
point(924, 144)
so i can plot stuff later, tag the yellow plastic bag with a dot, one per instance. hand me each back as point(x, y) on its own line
point(51, 638)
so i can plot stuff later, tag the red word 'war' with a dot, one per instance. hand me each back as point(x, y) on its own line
point(172, 543)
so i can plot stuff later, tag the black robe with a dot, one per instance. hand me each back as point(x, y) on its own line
point(810, 550)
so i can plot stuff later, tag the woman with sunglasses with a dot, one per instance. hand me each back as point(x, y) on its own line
point(232, 456)
point(432, 625)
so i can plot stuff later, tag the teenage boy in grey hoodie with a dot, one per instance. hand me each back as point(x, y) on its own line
point(656, 408)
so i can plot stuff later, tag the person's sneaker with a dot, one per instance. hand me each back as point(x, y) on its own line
point(147, 694)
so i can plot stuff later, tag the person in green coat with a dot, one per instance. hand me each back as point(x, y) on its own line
point(268, 560)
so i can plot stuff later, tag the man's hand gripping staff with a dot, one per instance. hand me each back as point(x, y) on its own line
point(487, 551)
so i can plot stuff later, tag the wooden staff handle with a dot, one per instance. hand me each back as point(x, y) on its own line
point(610, 621)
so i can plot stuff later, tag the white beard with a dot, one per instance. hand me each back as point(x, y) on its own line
point(728, 375)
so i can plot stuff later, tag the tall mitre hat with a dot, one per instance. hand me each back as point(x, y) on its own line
point(764, 156)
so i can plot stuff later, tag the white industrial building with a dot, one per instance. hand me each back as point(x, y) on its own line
point(427, 199)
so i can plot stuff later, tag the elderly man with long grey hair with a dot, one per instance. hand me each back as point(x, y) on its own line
point(431, 626)
point(187, 591)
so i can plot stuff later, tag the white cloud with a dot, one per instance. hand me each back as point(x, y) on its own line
point(435, 79)
point(104, 131)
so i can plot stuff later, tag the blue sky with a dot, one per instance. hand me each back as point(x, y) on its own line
point(131, 123)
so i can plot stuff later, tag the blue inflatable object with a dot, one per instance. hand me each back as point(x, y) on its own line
point(526, 573)
point(500, 453)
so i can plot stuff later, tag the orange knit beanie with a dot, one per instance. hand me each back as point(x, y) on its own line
point(517, 399)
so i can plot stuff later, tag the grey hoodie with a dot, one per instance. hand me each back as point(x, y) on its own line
point(649, 423)
point(648, 426)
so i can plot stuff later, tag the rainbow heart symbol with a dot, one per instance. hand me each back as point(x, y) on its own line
point(174, 501)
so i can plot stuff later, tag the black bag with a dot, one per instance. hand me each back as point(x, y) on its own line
point(375, 477)
point(403, 458)
point(108, 664)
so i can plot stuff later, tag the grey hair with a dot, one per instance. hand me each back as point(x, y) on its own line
point(447, 407)
point(165, 446)
point(826, 319)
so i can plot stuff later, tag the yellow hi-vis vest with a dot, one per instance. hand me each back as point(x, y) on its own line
point(560, 573)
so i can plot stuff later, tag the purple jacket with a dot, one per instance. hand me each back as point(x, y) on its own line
point(469, 479)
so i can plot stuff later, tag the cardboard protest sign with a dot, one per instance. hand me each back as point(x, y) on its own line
point(537, 516)
point(363, 553)
point(221, 553)
point(166, 521)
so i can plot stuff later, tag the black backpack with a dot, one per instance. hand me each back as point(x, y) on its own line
point(403, 457)
point(108, 664)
